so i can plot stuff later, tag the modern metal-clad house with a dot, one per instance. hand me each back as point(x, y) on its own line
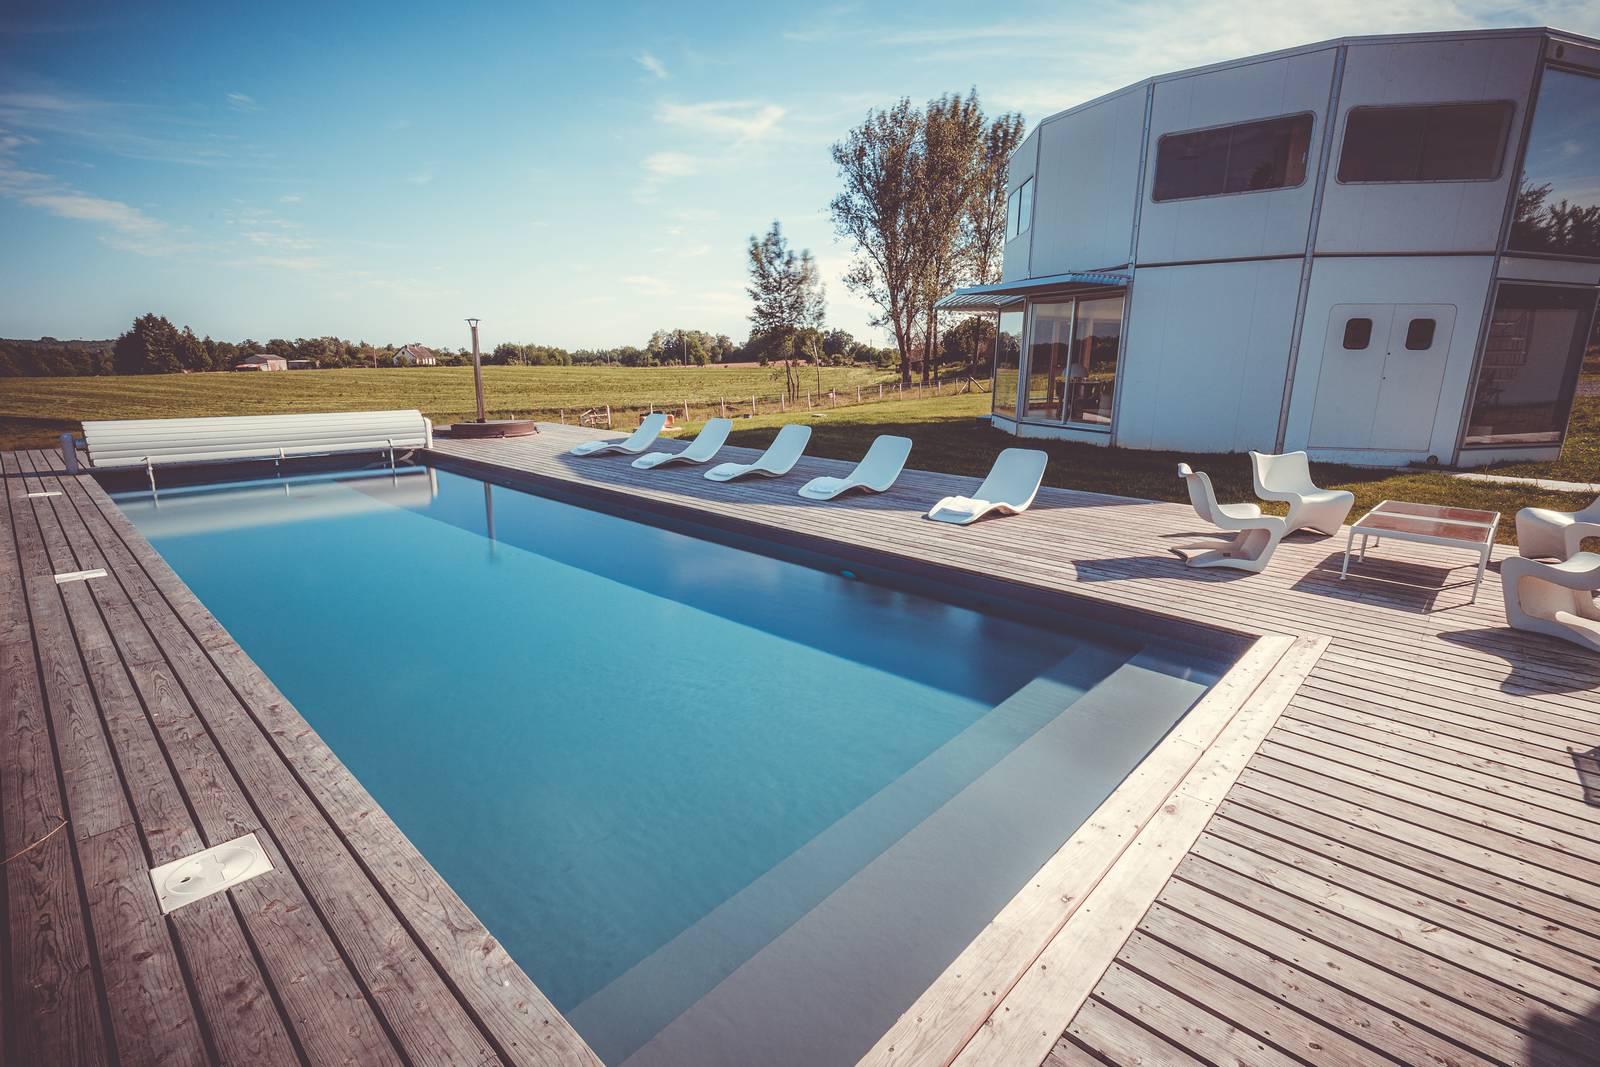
point(1385, 250)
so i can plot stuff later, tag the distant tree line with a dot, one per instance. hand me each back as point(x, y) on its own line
point(154, 345)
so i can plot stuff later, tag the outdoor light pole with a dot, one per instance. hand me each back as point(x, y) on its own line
point(477, 370)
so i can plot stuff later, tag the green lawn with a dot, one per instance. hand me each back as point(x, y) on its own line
point(35, 411)
point(950, 437)
point(948, 432)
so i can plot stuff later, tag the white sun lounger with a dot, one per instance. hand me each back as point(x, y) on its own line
point(875, 473)
point(1257, 534)
point(641, 439)
point(779, 458)
point(703, 447)
point(1287, 478)
point(1009, 489)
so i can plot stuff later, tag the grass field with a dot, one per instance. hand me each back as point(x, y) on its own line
point(35, 411)
point(947, 430)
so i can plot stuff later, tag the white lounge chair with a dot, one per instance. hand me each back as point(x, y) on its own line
point(703, 447)
point(1556, 598)
point(1257, 535)
point(1287, 478)
point(875, 473)
point(1541, 532)
point(637, 442)
point(1009, 489)
point(779, 458)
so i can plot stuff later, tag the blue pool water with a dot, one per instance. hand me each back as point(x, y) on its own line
point(721, 806)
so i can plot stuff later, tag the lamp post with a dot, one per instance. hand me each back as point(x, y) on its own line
point(477, 370)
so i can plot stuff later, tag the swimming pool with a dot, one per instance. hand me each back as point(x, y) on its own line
point(723, 803)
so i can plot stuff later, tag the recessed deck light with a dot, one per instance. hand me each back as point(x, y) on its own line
point(80, 576)
point(208, 871)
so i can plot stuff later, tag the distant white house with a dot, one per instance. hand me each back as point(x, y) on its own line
point(1385, 250)
point(262, 361)
point(415, 355)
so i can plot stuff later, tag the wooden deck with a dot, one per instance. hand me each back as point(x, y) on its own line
point(133, 731)
point(1407, 870)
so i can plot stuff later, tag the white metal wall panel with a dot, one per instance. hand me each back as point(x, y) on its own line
point(1460, 281)
point(1426, 216)
point(1083, 195)
point(1270, 222)
point(1205, 355)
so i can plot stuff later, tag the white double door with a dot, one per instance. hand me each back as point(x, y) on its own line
point(1379, 383)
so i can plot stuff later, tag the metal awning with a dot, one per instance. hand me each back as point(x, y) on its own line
point(1001, 295)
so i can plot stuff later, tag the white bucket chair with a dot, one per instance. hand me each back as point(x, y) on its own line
point(1287, 478)
point(875, 473)
point(779, 458)
point(1257, 535)
point(701, 449)
point(1009, 489)
point(1556, 598)
point(1541, 532)
point(637, 442)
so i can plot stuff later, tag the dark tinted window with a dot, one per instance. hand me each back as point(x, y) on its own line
point(1233, 159)
point(1419, 335)
point(1357, 333)
point(1529, 367)
point(1558, 200)
point(1435, 143)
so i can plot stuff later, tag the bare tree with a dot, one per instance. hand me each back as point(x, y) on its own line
point(875, 211)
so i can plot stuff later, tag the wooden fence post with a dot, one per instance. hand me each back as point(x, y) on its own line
point(752, 407)
point(724, 402)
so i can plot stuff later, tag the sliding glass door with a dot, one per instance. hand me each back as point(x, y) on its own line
point(1007, 363)
point(1072, 352)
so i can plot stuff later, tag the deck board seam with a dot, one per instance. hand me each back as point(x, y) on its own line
point(107, 1040)
point(265, 825)
point(133, 821)
point(182, 789)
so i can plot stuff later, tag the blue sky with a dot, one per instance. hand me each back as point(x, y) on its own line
point(573, 174)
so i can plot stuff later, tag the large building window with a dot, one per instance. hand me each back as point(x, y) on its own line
point(1019, 209)
point(1530, 365)
point(1425, 143)
point(1096, 344)
point(1007, 363)
point(1071, 372)
point(1049, 345)
point(1558, 200)
point(1250, 156)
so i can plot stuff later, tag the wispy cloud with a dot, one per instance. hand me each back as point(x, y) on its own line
point(422, 177)
point(652, 64)
point(122, 225)
point(647, 285)
point(743, 120)
point(132, 130)
point(290, 198)
point(123, 218)
point(242, 102)
point(671, 164)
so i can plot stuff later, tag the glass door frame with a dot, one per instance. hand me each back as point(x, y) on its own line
point(1479, 361)
point(1025, 368)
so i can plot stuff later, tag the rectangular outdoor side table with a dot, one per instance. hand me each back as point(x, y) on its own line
point(1430, 524)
